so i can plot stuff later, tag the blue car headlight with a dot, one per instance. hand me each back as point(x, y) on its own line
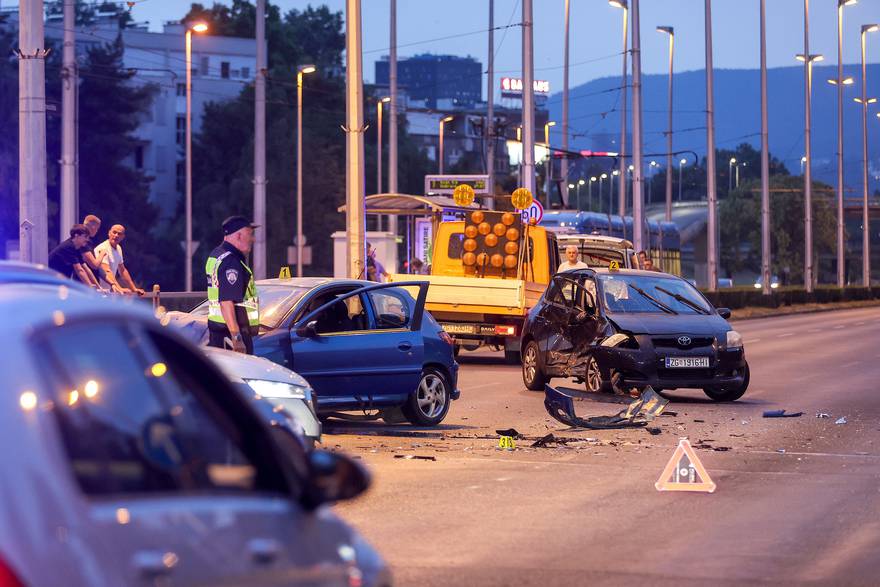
point(734, 340)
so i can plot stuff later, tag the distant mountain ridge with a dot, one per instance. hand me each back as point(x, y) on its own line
point(595, 116)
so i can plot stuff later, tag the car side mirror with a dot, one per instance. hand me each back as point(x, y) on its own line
point(724, 313)
point(333, 477)
point(308, 330)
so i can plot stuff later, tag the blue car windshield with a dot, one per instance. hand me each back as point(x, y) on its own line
point(621, 295)
point(275, 302)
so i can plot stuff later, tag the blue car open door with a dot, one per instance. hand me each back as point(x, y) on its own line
point(363, 347)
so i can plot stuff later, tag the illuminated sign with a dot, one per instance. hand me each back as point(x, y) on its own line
point(514, 86)
point(446, 184)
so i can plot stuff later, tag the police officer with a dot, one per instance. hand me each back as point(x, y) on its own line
point(233, 310)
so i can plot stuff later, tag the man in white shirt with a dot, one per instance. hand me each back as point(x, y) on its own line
point(116, 274)
point(571, 260)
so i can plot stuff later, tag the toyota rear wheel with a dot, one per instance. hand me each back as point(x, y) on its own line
point(533, 378)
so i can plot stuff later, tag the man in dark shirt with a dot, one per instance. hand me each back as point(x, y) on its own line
point(67, 257)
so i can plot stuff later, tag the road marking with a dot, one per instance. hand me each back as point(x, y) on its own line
point(852, 364)
point(502, 479)
point(751, 340)
point(859, 323)
point(485, 385)
point(839, 326)
point(786, 334)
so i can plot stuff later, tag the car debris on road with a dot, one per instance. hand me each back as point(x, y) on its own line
point(782, 414)
point(559, 403)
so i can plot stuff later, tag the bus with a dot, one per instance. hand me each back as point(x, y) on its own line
point(664, 240)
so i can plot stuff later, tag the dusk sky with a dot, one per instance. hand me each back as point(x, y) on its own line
point(595, 32)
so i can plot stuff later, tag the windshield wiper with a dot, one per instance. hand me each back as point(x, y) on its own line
point(686, 301)
point(653, 300)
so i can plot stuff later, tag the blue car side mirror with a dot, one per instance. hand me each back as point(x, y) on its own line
point(724, 313)
point(308, 330)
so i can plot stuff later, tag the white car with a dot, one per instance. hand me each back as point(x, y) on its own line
point(127, 458)
point(289, 395)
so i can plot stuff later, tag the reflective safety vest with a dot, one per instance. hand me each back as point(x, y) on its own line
point(250, 303)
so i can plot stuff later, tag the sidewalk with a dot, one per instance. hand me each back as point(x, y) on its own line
point(758, 312)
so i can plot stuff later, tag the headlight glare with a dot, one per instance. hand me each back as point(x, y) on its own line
point(277, 389)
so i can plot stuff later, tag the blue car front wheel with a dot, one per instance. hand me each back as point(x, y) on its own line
point(429, 404)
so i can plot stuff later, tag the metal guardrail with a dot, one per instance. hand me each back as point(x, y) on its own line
point(174, 300)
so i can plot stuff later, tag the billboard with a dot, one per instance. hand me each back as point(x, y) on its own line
point(511, 87)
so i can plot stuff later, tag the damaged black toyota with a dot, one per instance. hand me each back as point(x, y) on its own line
point(624, 330)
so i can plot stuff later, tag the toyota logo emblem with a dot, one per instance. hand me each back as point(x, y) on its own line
point(684, 340)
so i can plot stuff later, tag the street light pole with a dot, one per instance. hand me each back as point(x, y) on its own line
point(528, 98)
point(638, 180)
point(730, 165)
point(259, 250)
point(303, 70)
point(765, 160)
point(440, 154)
point(680, 163)
point(490, 109)
point(564, 162)
point(69, 162)
point(548, 168)
point(392, 124)
point(866, 219)
point(671, 32)
point(354, 141)
point(199, 28)
point(711, 187)
point(841, 245)
point(590, 203)
point(621, 192)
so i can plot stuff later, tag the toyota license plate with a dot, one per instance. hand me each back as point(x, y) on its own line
point(687, 362)
point(459, 328)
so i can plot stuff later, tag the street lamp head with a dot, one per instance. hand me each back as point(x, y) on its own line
point(804, 159)
point(814, 57)
point(304, 69)
point(551, 123)
point(733, 160)
point(604, 176)
point(870, 28)
point(682, 161)
point(666, 29)
point(847, 2)
point(618, 3)
point(447, 119)
point(592, 179)
point(653, 164)
point(616, 172)
point(199, 27)
point(385, 100)
point(571, 186)
point(631, 167)
point(581, 182)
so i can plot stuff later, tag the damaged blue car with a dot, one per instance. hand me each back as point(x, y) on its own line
point(627, 329)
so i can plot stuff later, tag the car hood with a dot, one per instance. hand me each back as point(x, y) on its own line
point(193, 328)
point(710, 325)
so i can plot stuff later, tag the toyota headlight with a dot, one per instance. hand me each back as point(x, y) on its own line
point(620, 340)
point(734, 339)
point(278, 389)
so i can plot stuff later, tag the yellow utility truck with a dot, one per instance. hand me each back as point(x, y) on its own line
point(487, 271)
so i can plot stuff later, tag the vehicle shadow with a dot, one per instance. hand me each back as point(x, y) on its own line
point(484, 359)
point(339, 427)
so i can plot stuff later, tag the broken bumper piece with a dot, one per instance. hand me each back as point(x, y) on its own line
point(559, 403)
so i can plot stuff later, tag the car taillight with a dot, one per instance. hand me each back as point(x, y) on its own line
point(444, 336)
point(504, 330)
point(8, 577)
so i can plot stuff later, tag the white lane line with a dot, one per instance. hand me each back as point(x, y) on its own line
point(751, 340)
point(851, 364)
point(470, 387)
point(839, 326)
point(859, 323)
point(786, 334)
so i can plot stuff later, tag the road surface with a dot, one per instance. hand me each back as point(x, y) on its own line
point(796, 499)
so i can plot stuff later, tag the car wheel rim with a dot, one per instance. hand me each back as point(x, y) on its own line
point(530, 364)
point(431, 395)
point(594, 376)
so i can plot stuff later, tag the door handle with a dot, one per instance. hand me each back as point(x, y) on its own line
point(264, 550)
point(154, 563)
point(405, 346)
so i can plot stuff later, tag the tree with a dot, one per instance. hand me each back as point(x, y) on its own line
point(110, 110)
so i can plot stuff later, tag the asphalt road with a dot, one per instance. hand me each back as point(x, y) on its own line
point(796, 499)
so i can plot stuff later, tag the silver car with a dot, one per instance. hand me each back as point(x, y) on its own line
point(289, 395)
point(126, 458)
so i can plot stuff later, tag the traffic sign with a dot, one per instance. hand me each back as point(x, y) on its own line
point(535, 211)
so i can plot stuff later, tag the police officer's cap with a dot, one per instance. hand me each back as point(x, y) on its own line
point(236, 223)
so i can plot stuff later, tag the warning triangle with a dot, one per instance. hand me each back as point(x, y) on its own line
point(684, 472)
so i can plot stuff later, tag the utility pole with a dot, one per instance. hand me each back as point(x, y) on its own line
point(260, 147)
point(621, 192)
point(671, 32)
point(638, 182)
point(765, 161)
point(711, 187)
point(69, 159)
point(355, 220)
point(564, 162)
point(528, 100)
point(392, 123)
point(490, 110)
point(32, 213)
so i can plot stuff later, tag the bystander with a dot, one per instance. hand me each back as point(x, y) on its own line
point(67, 257)
point(116, 275)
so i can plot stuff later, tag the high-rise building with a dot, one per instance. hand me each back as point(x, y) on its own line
point(439, 81)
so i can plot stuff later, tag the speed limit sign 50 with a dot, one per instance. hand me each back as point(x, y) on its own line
point(535, 211)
